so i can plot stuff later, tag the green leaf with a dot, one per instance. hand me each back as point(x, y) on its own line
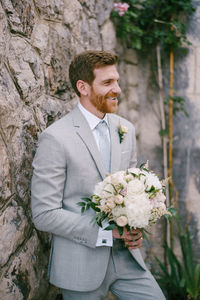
point(144, 231)
point(120, 230)
point(164, 132)
point(110, 227)
point(81, 203)
point(87, 206)
point(173, 211)
point(87, 199)
point(142, 165)
point(94, 206)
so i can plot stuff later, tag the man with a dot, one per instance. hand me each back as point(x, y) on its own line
point(72, 157)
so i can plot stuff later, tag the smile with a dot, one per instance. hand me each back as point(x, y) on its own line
point(112, 98)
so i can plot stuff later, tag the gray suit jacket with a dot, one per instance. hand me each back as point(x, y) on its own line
point(67, 165)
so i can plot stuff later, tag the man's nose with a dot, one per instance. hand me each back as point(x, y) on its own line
point(116, 88)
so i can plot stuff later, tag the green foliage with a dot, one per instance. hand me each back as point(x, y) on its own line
point(87, 203)
point(149, 22)
point(178, 104)
point(181, 278)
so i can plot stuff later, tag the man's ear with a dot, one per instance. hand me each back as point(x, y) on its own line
point(83, 87)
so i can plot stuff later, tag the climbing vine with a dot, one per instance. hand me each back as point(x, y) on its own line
point(159, 25)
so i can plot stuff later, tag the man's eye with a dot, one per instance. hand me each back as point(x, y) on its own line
point(107, 82)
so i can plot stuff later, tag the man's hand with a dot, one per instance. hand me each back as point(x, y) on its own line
point(132, 239)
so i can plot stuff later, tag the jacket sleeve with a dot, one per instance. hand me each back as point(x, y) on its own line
point(48, 181)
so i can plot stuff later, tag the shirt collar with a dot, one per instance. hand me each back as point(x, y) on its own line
point(91, 118)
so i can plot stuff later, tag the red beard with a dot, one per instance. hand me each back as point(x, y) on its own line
point(103, 104)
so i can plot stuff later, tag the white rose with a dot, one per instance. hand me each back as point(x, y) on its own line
point(110, 203)
point(128, 177)
point(124, 129)
point(135, 186)
point(118, 211)
point(122, 221)
point(108, 189)
point(119, 199)
point(98, 190)
point(107, 179)
point(118, 178)
point(134, 170)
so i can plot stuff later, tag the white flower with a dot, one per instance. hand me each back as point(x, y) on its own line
point(160, 197)
point(154, 202)
point(118, 211)
point(162, 206)
point(108, 189)
point(127, 199)
point(135, 186)
point(119, 199)
point(134, 170)
point(122, 130)
point(99, 188)
point(103, 202)
point(122, 221)
point(138, 212)
point(152, 180)
point(110, 203)
point(128, 177)
point(118, 178)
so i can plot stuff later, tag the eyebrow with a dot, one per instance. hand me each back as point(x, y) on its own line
point(110, 79)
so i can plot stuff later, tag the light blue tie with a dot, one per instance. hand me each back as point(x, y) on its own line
point(104, 144)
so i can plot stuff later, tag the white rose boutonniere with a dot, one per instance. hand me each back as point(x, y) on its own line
point(122, 131)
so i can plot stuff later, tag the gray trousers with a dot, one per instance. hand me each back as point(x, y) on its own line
point(124, 277)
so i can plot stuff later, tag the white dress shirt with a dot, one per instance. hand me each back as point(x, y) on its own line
point(104, 236)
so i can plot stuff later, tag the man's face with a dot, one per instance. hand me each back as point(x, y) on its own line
point(105, 89)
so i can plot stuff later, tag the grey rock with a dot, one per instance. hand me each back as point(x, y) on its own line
point(103, 9)
point(13, 231)
point(21, 16)
point(51, 9)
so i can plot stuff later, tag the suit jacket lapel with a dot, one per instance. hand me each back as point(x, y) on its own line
point(83, 130)
point(115, 144)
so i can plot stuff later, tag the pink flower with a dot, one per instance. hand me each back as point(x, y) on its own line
point(121, 8)
point(122, 221)
point(154, 202)
point(119, 199)
point(123, 192)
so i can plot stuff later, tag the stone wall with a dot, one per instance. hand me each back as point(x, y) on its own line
point(37, 41)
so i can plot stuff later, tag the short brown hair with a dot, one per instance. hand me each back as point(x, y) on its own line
point(83, 65)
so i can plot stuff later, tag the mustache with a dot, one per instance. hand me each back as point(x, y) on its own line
point(112, 95)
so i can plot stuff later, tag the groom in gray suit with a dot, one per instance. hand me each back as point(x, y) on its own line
point(73, 155)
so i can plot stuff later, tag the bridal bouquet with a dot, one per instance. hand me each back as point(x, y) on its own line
point(133, 199)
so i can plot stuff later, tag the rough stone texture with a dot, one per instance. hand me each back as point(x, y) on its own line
point(21, 18)
point(37, 41)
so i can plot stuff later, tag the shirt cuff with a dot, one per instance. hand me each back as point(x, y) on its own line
point(104, 237)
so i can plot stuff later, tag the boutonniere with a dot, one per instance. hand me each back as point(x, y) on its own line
point(122, 131)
